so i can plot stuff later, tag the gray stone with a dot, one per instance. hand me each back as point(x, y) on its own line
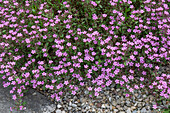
point(110, 99)
point(118, 101)
point(74, 105)
point(116, 110)
point(93, 110)
point(121, 112)
point(69, 108)
point(134, 111)
point(114, 103)
point(59, 106)
point(143, 110)
point(103, 106)
point(128, 110)
point(51, 108)
point(58, 111)
point(110, 107)
point(86, 92)
point(144, 96)
point(117, 90)
point(63, 112)
point(128, 103)
point(98, 97)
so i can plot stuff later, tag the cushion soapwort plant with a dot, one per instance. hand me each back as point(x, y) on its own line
point(58, 45)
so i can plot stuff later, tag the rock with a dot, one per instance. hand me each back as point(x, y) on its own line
point(69, 108)
point(118, 101)
point(98, 97)
point(58, 111)
point(107, 106)
point(103, 106)
point(51, 108)
point(117, 90)
point(132, 108)
point(128, 103)
point(128, 110)
point(114, 103)
point(110, 99)
point(121, 112)
point(93, 110)
point(136, 104)
point(99, 105)
point(113, 107)
point(110, 107)
point(143, 110)
point(63, 112)
point(34, 94)
point(59, 106)
point(134, 111)
point(116, 110)
point(139, 105)
point(70, 103)
point(86, 92)
point(144, 96)
point(74, 105)
point(113, 85)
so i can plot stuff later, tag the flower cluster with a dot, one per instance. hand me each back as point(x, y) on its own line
point(114, 42)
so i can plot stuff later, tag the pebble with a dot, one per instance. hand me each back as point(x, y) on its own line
point(103, 106)
point(121, 112)
point(116, 110)
point(112, 101)
point(69, 108)
point(74, 105)
point(128, 110)
point(128, 103)
point(134, 111)
point(143, 110)
point(99, 105)
point(34, 94)
point(59, 106)
point(58, 111)
point(63, 112)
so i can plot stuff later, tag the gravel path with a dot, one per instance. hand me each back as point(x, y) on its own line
point(111, 100)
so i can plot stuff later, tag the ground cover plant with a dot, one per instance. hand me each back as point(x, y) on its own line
point(57, 44)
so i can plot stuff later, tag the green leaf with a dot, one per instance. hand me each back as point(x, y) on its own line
point(50, 39)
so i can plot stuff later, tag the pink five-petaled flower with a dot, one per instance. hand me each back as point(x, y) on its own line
point(27, 40)
point(95, 17)
point(131, 89)
point(14, 97)
point(104, 15)
point(96, 94)
point(89, 88)
point(93, 3)
point(66, 82)
point(127, 95)
point(154, 106)
point(73, 92)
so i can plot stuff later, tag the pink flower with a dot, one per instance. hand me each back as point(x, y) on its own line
point(127, 95)
point(66, 82)
point(131, 89)
point(104, 15)
point(154, 106)
point(27, 40)
point(95, 17)
point(65, 2)
point(90, 88)
point(96, 94)
point(93, 3)
point(14, 97)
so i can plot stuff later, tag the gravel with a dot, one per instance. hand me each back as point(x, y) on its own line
point(110, 100)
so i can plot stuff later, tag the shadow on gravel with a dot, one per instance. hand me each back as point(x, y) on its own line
point(35, 101)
